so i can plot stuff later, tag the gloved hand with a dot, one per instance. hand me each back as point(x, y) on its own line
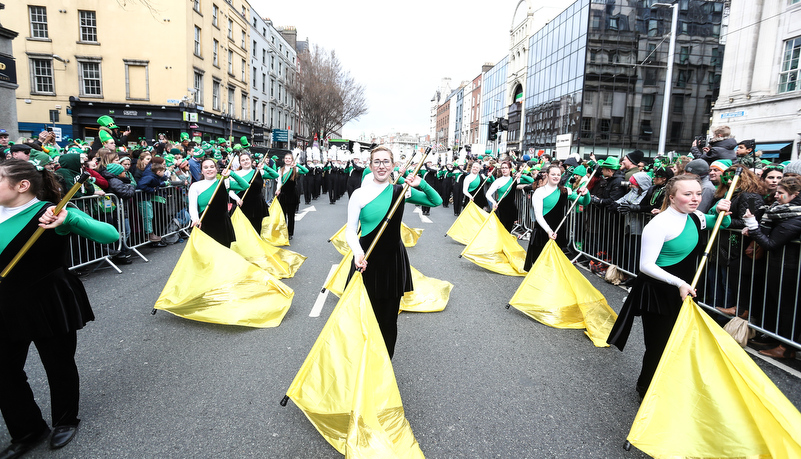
point(596, 200)
point(627, 207)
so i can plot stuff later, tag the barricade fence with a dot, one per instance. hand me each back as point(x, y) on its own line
point(764, 287)
point(143, 219)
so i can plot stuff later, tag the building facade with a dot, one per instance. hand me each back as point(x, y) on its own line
point(189, 68)
point(493, 95)
point(759, 89)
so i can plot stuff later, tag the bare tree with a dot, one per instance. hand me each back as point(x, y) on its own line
point(328, 97)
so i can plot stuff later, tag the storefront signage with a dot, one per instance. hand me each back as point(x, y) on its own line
point(8, 70)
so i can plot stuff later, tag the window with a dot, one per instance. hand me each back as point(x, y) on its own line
point(604, 126)
point(607, 99)
point(198, 88)
point(230, 62)
point(244, 38)
point(215, 13)
point(678, 104)
point(42, 76)
point(586, 126)
point(280, 68)
point(197, 41)
point(231, 29)
point(684, 55)
point(596, 22)
point(614, 24)
point(646, 131)
point(255, 110)
point(231, 92)
point(653, 27)
point(264, 56)
point(255, 47)
point(38, 15)
point(788, 77)
point(648, 102)
point(263, 112)
point(137, 85)
point(714, 81)
point(264, 83)
point(684, 77)
point(89, 78)
point(272, 62)
point(244, 12)
point(196, 5)
point(650, 77)
point(716, 61)
point(244, 106)
point(255, 77)
point(215, 95)
point(88, 25)
point(244, 70)
point(675, 131)
point(215, 49)
point(272, 86)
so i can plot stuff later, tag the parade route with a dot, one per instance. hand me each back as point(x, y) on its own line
point(477, 380)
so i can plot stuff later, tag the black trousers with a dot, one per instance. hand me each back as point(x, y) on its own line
point(656, 331)
point(386, 313)
point(21, 413)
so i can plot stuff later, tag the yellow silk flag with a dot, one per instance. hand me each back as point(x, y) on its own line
point(211, 283)
point(281, 263)
point(493, 248)
point(346, 386)
point(468, 223)
point(708, 399)
point(408, 235)
point(429, 295)
point(273, 226)
point(555, 293)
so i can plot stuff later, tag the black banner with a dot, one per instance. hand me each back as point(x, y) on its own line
point(8, 69)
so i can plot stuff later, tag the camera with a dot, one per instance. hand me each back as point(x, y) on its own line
point(700, 141)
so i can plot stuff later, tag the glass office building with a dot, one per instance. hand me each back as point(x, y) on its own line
point(596, 77)
point(493, 95)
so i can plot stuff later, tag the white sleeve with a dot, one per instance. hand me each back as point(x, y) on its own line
point(537, 203)
point(492, 189)
point(352, 230)
point(653, 237)
point(193, 194)
point(466, 186)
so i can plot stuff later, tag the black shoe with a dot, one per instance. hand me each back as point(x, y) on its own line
point(62, 435)
point(290, 237)
point(18, 449)
point(122, 260)
point(158, 244)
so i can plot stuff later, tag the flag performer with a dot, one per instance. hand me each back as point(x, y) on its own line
point(385, 281)
point(253, 205)
point(670, 246)
point(41, 302)
point(505, 208)
point(202, 197)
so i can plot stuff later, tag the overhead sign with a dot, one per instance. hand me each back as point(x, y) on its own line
point(280, 135)
point(173, 101)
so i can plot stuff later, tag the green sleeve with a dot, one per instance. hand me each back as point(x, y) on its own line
point(239, 184)
point(425, 196)
point(582, 200)
point(270, 173)
point(490, 179)
point(526, 179)
point(81, 224)
point(712, 216)
point(302, 170)
point(401, 180)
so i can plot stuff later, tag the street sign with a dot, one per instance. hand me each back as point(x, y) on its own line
point(733, 114)
point(280, 135)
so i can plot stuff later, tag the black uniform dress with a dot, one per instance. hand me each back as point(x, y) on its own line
point(659, 304)
point(539, 237)
point(253, 205)
point(41, 302)
point(507, 209)
point(289, 200)
point(389, 275)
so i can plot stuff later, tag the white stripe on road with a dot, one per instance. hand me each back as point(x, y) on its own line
point(323, 295)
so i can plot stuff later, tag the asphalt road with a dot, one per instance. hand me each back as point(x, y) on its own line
point(477, 380)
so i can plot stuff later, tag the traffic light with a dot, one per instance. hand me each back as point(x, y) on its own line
point(503, 124)
point(493, 131)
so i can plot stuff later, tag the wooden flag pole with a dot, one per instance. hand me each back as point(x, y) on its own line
point(715, 229)
point(575, 202)
point(31, 240)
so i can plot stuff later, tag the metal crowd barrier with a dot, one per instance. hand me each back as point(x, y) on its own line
point(164, 214)
point(765, 291)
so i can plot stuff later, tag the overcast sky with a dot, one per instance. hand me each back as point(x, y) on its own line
point(400, 51)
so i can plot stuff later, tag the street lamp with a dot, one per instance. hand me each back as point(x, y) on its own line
point(669, 76)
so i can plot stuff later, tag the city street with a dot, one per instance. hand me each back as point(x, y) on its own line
point(477, 380)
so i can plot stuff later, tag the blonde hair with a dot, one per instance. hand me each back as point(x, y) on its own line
point(670, 187)
point(382, 148)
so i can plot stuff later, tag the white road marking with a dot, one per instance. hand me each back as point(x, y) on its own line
point(303, 213)
point(323, 295)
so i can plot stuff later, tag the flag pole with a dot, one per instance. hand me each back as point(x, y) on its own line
point(35, 236)
point(227, 168)
point(575, 202)
point(715, 229)
point(395, 206)
point(257, 170)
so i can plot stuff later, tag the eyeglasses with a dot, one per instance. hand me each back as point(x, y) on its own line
point(382, 162)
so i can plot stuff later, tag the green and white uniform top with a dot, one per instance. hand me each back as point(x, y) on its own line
point(545, 198)
point(285, 173)
point(200, 193)
point(14, 219)
point(669, 238)
point(502, 184)
point(370, 203)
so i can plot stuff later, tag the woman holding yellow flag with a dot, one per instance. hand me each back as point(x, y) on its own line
point(201, 194)
point(253, 205)
point(550, 204)
point(390, 276)
point(671, 244)
point(286, 193)
point(505, 205)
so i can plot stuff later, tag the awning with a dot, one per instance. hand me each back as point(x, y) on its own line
point(772, 146)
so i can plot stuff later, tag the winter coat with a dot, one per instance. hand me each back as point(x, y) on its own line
point(718, 149)
point(149, 182)
point(121, 187)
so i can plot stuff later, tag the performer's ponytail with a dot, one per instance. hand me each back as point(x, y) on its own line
point(43, 183)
